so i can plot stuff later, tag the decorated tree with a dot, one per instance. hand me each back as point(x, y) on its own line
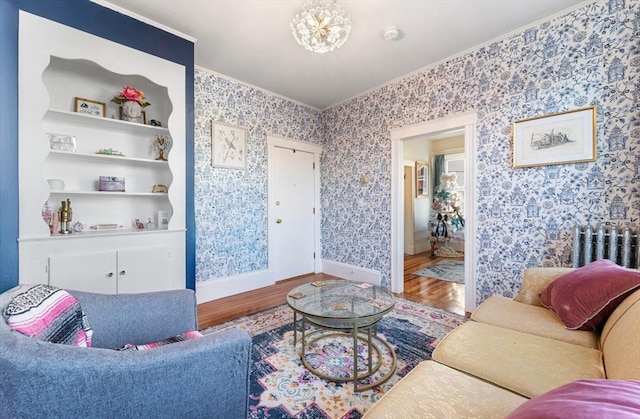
point(446, 215)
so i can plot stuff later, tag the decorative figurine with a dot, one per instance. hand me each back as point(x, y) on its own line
point(161, 145)
point(433, 240)
point(110, 152)
point(47, 214)
point(139, 224)
point(159, 188)
point(55, 224)
point(65, 214)
point(78, 227)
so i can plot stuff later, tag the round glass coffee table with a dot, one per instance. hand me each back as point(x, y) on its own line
point(341, 308)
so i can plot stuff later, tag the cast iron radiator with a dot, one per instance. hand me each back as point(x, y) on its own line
point(615, 243)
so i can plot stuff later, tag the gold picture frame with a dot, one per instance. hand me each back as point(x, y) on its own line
point(89, 107)
point(559, 138)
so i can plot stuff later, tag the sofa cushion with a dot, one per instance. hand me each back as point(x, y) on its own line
point(48, 313)
point(584, 298)
point(620, 340)
point(531, 319)
point(526, 364)
point(534, 281)
point(584, 399)
point(178, 338)
point(433, 390)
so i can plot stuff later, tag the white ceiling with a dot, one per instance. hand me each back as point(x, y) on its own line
point(251, 41)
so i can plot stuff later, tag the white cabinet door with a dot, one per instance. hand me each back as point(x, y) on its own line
point(93, 272)
point(143, 270)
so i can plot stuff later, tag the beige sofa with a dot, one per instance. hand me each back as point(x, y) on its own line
point(511, 351)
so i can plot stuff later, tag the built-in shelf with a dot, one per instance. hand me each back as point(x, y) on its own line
point(96, 156)
point(108, 193)
point(101, 122)
point(100, 233)
point(59, 65)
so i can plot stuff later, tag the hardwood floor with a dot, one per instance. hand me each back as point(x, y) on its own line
point(433, 292)
point(232, 307)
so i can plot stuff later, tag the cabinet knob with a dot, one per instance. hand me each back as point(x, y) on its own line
point(123, 272)
point(110, 275)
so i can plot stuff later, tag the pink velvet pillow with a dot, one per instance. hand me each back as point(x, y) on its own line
point(584, 399)
point(584, 298)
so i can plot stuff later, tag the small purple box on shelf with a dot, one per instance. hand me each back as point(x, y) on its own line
point(111, 184)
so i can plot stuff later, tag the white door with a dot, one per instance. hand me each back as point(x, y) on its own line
point(292, 212)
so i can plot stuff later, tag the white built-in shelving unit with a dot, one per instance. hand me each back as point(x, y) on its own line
point(57, 65)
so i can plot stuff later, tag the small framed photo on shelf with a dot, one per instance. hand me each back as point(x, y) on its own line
point(141, 120)
point(163, 220)
point(89, 107)
point(228, 146)
point(559, 138)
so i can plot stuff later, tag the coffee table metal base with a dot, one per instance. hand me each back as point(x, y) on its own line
point(366, 334)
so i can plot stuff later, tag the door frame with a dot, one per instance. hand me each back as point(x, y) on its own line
point(468, 121)
point(283, 142)
point(412, 172)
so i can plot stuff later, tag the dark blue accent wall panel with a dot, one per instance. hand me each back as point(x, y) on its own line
point(8, 145)
point(97, 20)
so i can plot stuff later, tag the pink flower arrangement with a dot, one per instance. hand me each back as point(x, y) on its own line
point(130, 93)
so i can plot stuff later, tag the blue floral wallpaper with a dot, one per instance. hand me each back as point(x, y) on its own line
point(230, 204)
point(590, 56)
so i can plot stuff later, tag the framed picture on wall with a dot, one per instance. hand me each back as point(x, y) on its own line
point(422, 179)
point(228, 146)
point(560, 138)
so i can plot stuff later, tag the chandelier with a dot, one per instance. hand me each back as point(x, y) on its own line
point(322, 26)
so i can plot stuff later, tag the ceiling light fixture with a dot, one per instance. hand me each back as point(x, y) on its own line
point(322, 26)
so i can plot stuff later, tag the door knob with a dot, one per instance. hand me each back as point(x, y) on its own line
point(278, 221)
point(110, 275)
point(123, 272)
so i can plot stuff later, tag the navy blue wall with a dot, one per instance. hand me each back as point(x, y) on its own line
point(103, 22)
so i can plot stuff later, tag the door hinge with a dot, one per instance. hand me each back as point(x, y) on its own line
point(314, 255)
point(314, 210)
point(314, 166)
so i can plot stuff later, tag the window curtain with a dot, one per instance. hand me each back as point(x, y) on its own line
point(438, 169)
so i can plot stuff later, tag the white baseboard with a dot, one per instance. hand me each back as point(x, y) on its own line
point(353, 273)
point(423, 247)
point(409, 248)
point(231, 285)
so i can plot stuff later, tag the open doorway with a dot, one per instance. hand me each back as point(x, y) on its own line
point(434, 220)
point(466, 122)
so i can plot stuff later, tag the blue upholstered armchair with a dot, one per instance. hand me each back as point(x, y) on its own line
point(207, 377)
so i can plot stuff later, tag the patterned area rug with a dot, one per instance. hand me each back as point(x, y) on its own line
point(446, 270)
point(281, 387)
